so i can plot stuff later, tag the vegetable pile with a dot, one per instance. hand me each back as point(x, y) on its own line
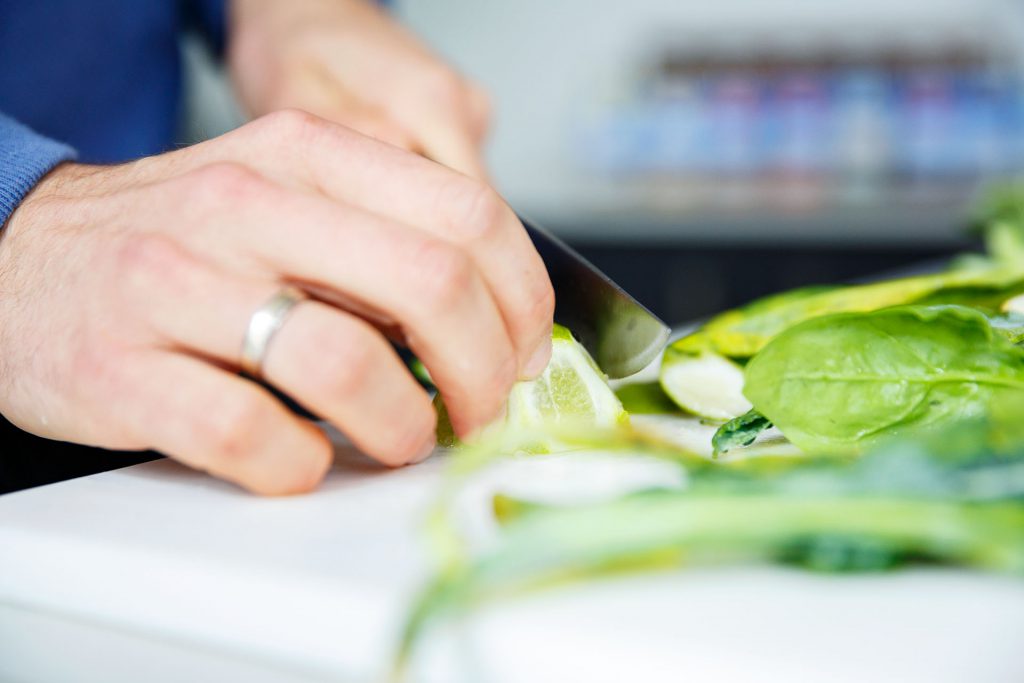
point(901, 404)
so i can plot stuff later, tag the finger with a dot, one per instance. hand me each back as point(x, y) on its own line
point(413, 191)
point(312, 154)
point(225, 425)
point(343, 370)
point(315, 91)
point(430, 288)
point(465, 213)
point(441, 115)
point(479, 113)
point(332, 363)
point(437, 110)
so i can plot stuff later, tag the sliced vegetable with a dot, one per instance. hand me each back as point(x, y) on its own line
point(704, 383)
point(572, 392)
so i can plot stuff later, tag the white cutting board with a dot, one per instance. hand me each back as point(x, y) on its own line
point(158, 573)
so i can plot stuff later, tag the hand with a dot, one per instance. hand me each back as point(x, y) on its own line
point(126, 292)
point(347, 61)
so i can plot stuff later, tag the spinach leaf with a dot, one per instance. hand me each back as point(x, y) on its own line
point(838, 382)
point(743, 332)
point(739, 431)
point(737, 335)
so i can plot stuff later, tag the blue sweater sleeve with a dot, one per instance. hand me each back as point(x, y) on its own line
point(25, 157)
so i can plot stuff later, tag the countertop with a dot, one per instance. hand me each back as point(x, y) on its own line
point(155, 572)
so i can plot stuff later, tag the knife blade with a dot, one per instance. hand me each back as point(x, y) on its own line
point(618, 331)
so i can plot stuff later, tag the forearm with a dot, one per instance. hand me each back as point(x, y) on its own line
point(25, 157)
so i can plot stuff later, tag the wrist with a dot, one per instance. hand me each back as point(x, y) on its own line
point(27, 158)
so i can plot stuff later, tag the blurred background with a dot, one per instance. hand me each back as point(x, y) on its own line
point(707, 153)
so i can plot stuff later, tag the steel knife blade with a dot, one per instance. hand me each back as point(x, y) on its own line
point(619, 332)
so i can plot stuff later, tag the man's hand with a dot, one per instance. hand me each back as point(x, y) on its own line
point(348, 62)
point(125, 293)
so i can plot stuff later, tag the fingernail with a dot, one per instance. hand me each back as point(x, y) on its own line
point(424, 452)
point(538, 361)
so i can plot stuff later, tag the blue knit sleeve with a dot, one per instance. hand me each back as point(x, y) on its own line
point(25, 157)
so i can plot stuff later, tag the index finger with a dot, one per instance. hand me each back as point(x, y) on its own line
point(448, 116)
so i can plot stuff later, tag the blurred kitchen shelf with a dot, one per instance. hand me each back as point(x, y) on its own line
point(650, 120)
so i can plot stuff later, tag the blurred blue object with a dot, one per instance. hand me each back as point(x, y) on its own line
point(834, 127)
point(102, 76)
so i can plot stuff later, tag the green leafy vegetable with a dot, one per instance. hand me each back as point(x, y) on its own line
point(960, 504)
point(743, 332)
point(739, 431)
point(836, 383)
point(921, 378)
point(740, 334)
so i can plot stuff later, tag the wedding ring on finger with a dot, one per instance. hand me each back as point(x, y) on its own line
point(263, 325)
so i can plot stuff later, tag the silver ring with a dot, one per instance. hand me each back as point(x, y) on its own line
point(264, 324)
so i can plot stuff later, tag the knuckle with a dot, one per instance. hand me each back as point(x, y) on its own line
point(475, 208)
point(287, 126)
point(146, 260)
point(444, 274)
point(226, 183)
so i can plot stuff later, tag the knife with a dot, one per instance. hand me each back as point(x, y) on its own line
point(621, 335)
